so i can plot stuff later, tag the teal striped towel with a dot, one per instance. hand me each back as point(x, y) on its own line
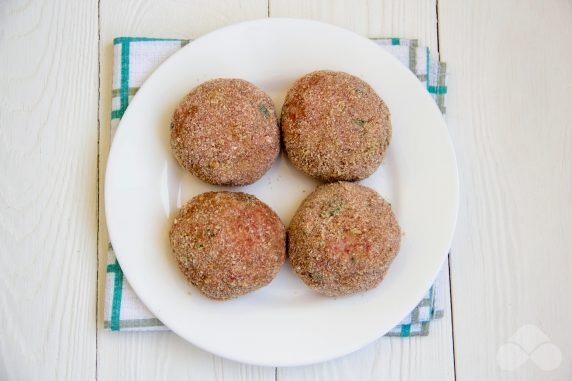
point(135, 58)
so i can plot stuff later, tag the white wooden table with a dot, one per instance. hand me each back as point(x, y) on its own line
point(510, 117)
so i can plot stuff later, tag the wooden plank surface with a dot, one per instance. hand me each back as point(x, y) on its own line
point(370, 18)
point(160, 355)
point(48, 193)
point(509, 113)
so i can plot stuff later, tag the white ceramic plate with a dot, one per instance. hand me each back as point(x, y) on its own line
point(284, 323)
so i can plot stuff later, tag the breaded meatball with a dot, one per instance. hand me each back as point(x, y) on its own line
point(225, 132)
point(228, 243)
point(343, 238)
point(335, 126)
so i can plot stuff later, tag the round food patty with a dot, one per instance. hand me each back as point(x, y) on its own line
point(228, 243)
point(335, 126)
point(343, 238)
point(225, 132)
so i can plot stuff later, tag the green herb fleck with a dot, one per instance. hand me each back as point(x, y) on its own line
point(334, 208)
point(315, 277)
point(359, 92)
point(248, 198)
point(264, 110)
point(359, 122)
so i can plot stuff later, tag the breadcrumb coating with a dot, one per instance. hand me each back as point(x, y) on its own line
point(228, 243)
point(225, 132)
point(335, 126)
point(343, 238)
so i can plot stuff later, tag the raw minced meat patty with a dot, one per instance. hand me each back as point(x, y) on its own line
point(335, 126)
point(228, 243)
point(225, 132)
point(343, 238)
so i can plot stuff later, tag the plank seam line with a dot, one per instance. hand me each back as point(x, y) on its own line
point(437, 22)
point(98, 180)
point(452, 319)
point(449, 258)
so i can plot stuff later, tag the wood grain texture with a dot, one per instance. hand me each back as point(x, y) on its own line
point(370, 18)
point(429, 357)
point(48, 192)
point(510, 94)
point(160, 355)
point(509, 113)
point(165, 356)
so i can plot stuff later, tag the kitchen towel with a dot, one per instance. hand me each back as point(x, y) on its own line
point(135, 58)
